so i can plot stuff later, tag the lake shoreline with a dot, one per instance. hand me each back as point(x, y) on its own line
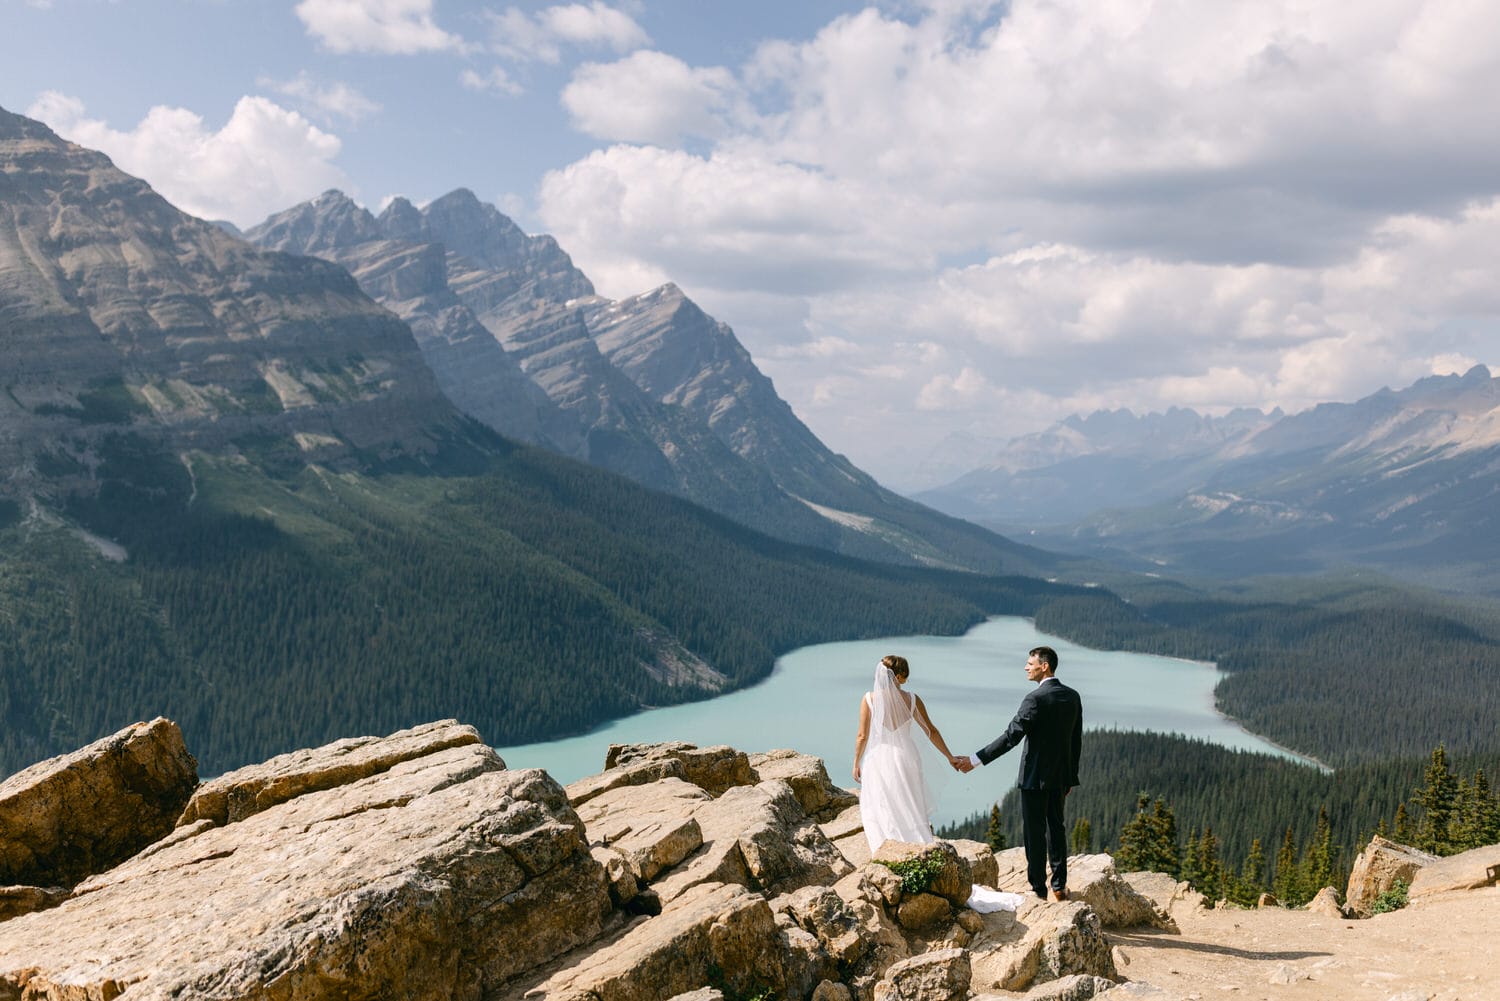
point(971, 684)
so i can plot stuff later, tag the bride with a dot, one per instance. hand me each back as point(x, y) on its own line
point(896, 800)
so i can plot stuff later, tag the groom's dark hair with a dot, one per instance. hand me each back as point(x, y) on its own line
point(1047, 656)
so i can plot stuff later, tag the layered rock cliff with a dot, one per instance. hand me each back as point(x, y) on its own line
point(120, 315)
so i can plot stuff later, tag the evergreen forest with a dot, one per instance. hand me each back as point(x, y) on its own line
point(266, 612)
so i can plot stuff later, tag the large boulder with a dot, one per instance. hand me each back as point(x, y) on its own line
point(1376, 870)
point(69, 817)
point(1470, 870)
point(1093, 880)
point(982, 866)
point(715, 935)
point(1165, 891)
point(636, 773)
point(1326, 903)
point(951, 877)
point(1077, 987)
point(651, 825)
point(1048, 941)
point(808, 777)
point(714, 769)
point(441, 877)
point(822, 913)
point(247, 791)
point(940, 975)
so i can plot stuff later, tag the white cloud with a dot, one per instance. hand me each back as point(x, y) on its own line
point(384, 26)
point(955, 392)
point(649, 97)
point(262, 160)
point(497, 80)
point(1096, 203)
point(520, 36)
point(330, 101)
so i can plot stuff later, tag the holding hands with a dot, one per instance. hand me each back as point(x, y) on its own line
point(960, 763)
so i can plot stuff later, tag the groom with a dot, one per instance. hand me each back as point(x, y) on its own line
point(1051, 722)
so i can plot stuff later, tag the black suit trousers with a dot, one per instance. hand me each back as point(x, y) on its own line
point(1044, 838)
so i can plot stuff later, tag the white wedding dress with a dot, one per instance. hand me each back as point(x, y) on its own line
point(896, 800)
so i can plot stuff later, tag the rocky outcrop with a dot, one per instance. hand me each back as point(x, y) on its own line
point(66, 818)
point(942, 975)
point(1326, 903)
point(250, 790)
point(1377, 868)
point(714, 769)
point(1470, 870)
point(713, 932)
point(418, 866)
point(808, 777)
point(1047, 941)
point(1093, 880)
point(442, 876)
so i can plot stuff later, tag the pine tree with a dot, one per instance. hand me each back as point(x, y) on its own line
point(1487, 816)
point(1287, 882)
point(1317, 861)
point(1164, 838)
point(1401, 831)
point(1251, 883)
point(1189, 871)
point(1437, 798)
point(1210, 866)
point(995, 836)
point(1133, 853)
point(1082, 842)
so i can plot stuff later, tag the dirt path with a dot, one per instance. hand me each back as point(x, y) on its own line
point(1443, 948)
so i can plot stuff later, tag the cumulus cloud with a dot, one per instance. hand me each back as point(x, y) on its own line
point(263, 159)
point(1096, 203)
point(518, 35)
point(385, 26)
point(649, 97)
point(327, 101)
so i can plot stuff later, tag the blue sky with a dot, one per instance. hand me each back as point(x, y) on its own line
point(922, 218)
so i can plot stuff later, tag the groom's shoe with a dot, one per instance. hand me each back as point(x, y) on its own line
point(1060, 895)
point(1040, 894)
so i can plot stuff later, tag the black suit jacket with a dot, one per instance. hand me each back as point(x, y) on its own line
point(1050, 720)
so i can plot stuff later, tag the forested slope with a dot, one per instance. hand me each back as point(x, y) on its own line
point(269, 610)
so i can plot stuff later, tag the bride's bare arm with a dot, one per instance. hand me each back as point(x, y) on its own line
point(863, 735)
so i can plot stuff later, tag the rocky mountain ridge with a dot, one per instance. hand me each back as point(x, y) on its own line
point(417, 865)
point(1396, 480)
point(124, 317)
point(649, 386)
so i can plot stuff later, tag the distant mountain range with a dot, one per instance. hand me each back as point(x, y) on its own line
point(650, 386)
point(1403, 481)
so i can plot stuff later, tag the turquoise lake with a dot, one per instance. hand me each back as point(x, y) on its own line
point(971, 685)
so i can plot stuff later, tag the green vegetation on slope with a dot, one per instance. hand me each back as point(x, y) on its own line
point(541, 598)
point(1241, 797)
point(1344, 671)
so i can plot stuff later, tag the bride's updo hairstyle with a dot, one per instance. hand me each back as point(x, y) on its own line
point(898, 666)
